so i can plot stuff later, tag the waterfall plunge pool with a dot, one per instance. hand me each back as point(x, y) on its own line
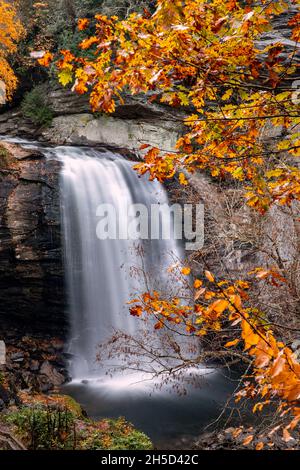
point(172, 420)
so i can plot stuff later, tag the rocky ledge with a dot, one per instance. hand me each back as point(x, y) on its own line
point(136, 122)
point(33, 365)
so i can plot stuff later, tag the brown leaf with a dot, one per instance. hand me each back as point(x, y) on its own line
point(248, 440)
point(286, 435)
point(199, 293)
point(259, 446)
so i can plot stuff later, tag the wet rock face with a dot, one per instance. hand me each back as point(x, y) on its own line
point(31, 273)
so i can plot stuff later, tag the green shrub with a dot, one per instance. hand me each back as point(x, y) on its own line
point(114, 434)
point(58, 424)
point(34, 106)
point(2, 378)
point(4, 154)
point(135, 440)
point(44, 428)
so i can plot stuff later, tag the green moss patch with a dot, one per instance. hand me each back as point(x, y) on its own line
point(4, 156)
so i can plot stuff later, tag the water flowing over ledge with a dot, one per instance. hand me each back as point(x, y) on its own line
point(103, 274)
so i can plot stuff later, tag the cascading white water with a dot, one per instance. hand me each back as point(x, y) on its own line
point(99, 272)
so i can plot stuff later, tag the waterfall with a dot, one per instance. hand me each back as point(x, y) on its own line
point(100, 273)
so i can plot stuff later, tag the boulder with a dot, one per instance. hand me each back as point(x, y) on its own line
point(55, 378)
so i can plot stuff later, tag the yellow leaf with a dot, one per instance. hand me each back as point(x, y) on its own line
point(227, 94)
point(238, 173)
point(284, 145)
point(65, 77)
point(283, 96)
point(258, 406)
point(183, 98)
point(274, 173)
point(182, 179)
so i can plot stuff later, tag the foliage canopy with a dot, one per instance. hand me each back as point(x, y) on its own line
point(11, 31)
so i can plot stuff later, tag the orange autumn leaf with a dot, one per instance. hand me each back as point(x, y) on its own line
point(46, 60)
point(87, 43)
point(158, 326)
point(182, 179)
point(247, 440)
point(186, 271)
point(232, 343)
point(83, 23)
point(219, 306)
point(286, 435)
point(197, 283)
point(263, 354)
point(144, 146)
point(249, 336)
point(236, 432)
point(199, 293)
point(278, 366)
point(209, 276)
point(259, 446)
point(136, 311)
point(294, 394)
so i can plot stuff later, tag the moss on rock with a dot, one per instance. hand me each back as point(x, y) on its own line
point(4, 155)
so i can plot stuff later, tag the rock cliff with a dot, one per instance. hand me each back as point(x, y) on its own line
point(31, 274)
point(131, 125)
